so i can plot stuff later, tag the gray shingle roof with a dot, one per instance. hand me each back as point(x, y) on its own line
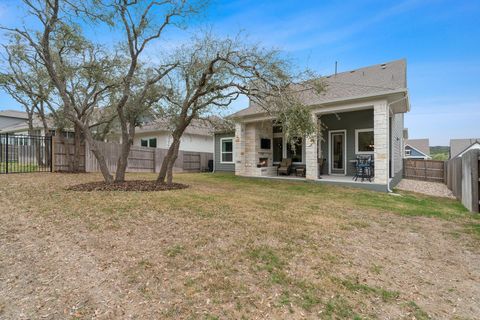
point(457, 146)
point(13, 114)
point(23, 126)
point(198, 127)
point(422, 145)
point(373, 80)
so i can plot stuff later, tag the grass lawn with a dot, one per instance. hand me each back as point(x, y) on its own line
point(233, 248)
point(17, 167)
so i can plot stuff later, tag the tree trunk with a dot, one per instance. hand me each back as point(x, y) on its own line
point(99, 156)
point(166, 171)
point(77, 148)
point(122, 163)
point(172, 162)
point(34, 140)
point(48, 146)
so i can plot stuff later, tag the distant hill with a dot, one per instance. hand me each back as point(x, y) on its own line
point(440, 152)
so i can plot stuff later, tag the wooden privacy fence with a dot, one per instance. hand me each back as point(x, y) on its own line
point(140, 159)
point(64, 155)
point(426, 170)
point(464, 180)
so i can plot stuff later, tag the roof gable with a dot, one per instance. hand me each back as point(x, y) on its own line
point(422, 145)
point(457, 146)
point(475, 146)
point(416, 152)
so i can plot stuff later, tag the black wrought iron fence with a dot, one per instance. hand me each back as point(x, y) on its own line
point(25, 153)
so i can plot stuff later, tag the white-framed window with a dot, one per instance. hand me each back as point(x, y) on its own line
point(364, 143)
point(226, 150)
point(408, 152)
point(148, 142)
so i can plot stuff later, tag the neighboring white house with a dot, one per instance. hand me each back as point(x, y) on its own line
point(417, 149)
point(11, 118)
point(362, 112)
point(198, 137)
point(20, 127)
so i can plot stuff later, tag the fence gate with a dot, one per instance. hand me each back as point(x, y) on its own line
point(25, 153)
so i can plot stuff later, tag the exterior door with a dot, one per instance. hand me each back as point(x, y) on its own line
point(277, 149)
point(337, 152)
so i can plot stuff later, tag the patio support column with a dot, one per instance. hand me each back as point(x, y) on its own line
point(311, 153)
point(239, 154)
point(380, 127)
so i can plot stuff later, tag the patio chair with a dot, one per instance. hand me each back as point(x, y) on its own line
point(285, 167)
point(363, 168)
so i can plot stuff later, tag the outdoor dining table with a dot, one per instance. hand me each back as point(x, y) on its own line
point(366, 169)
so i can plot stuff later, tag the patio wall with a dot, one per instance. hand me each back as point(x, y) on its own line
point(348, 121)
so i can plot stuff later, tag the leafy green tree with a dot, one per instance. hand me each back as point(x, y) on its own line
point(212, 72)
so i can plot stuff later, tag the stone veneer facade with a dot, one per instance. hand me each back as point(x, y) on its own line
point(248, 151)
point(381, 115)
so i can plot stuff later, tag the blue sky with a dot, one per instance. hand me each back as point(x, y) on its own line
point(439, 39)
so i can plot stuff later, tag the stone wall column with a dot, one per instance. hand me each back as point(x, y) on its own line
point(239, 154)
point(381, 132)
point(311, 153)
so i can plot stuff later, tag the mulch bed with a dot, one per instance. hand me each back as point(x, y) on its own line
point(132, 185)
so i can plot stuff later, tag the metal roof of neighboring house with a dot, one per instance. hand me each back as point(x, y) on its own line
point(422, 145)
point(457, 146)
point(198, 127)
point(376, 80)
point(13, 114)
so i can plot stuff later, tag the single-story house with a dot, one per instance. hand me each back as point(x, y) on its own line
point(460, 146)
point(198, 136)
point(417, 149)
point(362, 115)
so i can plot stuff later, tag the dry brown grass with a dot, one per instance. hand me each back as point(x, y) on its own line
point(232, 248)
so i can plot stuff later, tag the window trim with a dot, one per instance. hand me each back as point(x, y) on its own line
point(148, 141)
point(408, 152)
point(357, 131)
point(156, 142)
point(222, 152)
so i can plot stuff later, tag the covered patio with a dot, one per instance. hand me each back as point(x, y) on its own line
point(360, 115)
